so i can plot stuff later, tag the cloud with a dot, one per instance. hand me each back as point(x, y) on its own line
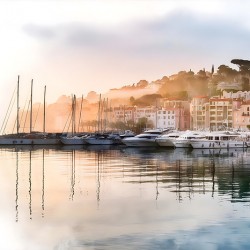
point(180, 32)
point(39, 32)
point(105, 57)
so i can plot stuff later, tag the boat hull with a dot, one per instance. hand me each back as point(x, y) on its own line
point(25, 141)
point(73, 141)
point(132, 142)
point(164, 142)
point(93, 141)
point(182, 144)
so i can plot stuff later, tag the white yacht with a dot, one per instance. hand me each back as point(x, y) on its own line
point(220, 139)
point(145, 139)
point(184, 140)
point(74, 140)
point(127, 133)
point(167, 140)
point(103, 139)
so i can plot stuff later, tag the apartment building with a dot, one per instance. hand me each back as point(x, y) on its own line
point(244, 95)
point(159, 117)
point(199, 110)
point(181, 110)
point(172, 117)
point(214, 113)
point(164, 117)
point(124, 113)
point(221, 112)
point(241, 116)
point(149, 112)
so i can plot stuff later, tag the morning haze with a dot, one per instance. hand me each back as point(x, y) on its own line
point(98, 46)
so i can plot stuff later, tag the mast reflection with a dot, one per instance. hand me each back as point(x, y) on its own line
point(73, 173)
point(17, 182)
point(30, 196)
point(183, 173)
point(43, 178)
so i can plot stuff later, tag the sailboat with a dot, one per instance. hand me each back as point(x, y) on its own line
point(73, 139)
point(101, 137)
point(32, 138)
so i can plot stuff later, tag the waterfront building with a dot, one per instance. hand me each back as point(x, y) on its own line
point(241, 117)
point(199, 110)
point(244, 95)
point(221, 112)
point(166, 118)
point(124, 113)
point(171, 116)
point(181, 110)
point(148, 112)
point(214, 114)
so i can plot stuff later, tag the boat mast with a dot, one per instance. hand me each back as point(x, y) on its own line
point(31, 90)
point(99, 112)
point(74, 128)
point(73, 114)
point(17, 117)
point(106, 114)
point(156, 113)
point(44, 95)
point(79, 123)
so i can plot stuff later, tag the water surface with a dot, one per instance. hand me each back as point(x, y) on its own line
point(124, 198)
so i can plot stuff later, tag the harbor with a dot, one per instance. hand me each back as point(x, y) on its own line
point(105, 195)
point(125, 125)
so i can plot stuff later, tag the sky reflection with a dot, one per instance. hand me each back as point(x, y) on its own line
point(122, 198)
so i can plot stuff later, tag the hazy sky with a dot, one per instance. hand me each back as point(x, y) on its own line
point(78, 46)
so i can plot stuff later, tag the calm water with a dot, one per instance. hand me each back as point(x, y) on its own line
point(124, 198)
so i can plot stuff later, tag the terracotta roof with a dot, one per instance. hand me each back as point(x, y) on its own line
point(224, 99)
point(220, 99)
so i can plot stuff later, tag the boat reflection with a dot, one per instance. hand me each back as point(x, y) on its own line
point(217, 152)
point(183, 172)
point(187, 172)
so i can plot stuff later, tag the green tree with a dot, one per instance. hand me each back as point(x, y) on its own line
point(227, 72)
point(244, 65)
point(141, 125)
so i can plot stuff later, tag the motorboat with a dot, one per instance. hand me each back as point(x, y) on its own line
point(220, 139)
point(166, 140)
point(184, 140)
point(127, 133)
point(103, 139)
point(73, 140)
point(145, 139)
